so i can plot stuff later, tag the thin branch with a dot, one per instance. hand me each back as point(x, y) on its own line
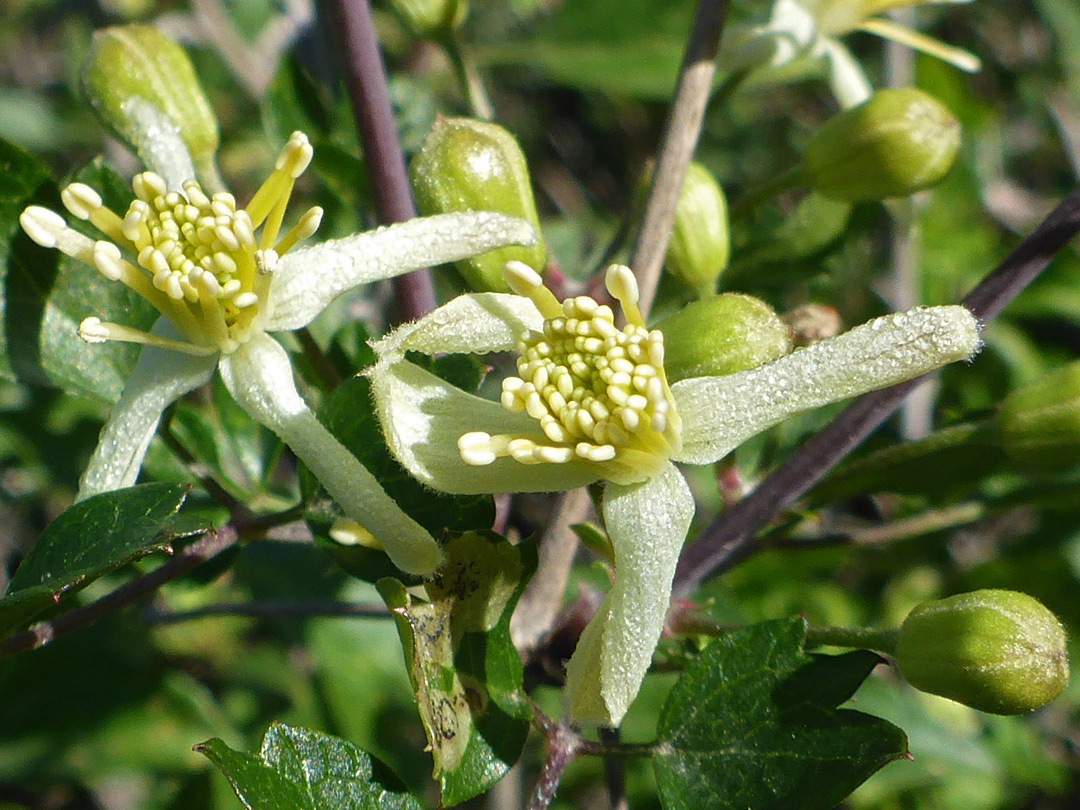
point(365, 80)
point(271, 610)
point(613, 772)
point(539, 604)
point(38, 635)
point(561, 745)
point(729, 538)
point(681, 134)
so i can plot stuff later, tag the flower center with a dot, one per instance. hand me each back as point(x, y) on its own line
point(203, 263)
point(599, 392)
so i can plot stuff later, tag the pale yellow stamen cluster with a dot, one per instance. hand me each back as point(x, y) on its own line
point(599, 392)
point(198, 258)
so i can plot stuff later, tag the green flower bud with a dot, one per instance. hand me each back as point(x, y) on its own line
point(896, 143)
point(1040, 423)
point(431, 18)
point(700, 242)
point(997, 651)
point(721, 335)
point(137, 79)
point(468, 165)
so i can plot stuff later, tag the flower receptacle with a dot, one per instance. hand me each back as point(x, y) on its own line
point(898, 142)
point(998, 651)
point(721, 335)
point(139, 82)
point(1040, 423)
point(469, 165)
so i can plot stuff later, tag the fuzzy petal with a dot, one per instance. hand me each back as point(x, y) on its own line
point(422, 417)
point(647, 524)
point(308, 279)
point(469, 324)
point(260, 379)
point(720, 413)
point(159, 379)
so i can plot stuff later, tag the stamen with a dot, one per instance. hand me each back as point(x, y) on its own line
point(95, 330)
point(527, 282)
point(304, 229)
point(43, 225)
point(623, 287)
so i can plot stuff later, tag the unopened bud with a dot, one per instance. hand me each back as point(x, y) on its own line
point(896, 143)
point(721, 335)
point(998, 651)
point(135, 67)
point(469, 165)
point(700, 242)
point(1040, 422)
point(431, 18)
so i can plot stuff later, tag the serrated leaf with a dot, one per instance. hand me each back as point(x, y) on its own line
point(45, 295)
point(300, 769)
point(88, 540)
point(462, 664)
point(753, 723)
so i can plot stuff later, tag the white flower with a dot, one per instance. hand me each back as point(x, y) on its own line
point(801, 29)
point(222, 277)
point(591, 402)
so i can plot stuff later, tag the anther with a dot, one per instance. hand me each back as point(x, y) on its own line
point(80, 200)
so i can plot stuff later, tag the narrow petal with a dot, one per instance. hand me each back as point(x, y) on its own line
point(720, 413)
point(647, 524)
point(846, 77)
point(306, 280)
point(469, 324)
point(260, 379)
point(422, 418)
point(159, 379)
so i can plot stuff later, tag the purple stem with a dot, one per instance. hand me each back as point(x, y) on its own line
point(365, 80)
point(729, 538)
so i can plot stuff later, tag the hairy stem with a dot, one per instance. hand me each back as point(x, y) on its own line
point(365, 80)
point(730, 537)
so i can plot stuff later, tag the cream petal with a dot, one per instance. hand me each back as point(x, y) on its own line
point(260, 379)
point(647, 524)
point(469, 324)
point(846, 77)
point(306, 280)
point(159, 379)
point(422, 417)
point(720, 413)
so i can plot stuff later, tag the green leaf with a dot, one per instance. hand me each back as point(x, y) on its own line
point(235, 448)
point(617, 46)
point(88, 540)
point(462, 664)
point(299, 769)
point(45, 295)
point(752, 723)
